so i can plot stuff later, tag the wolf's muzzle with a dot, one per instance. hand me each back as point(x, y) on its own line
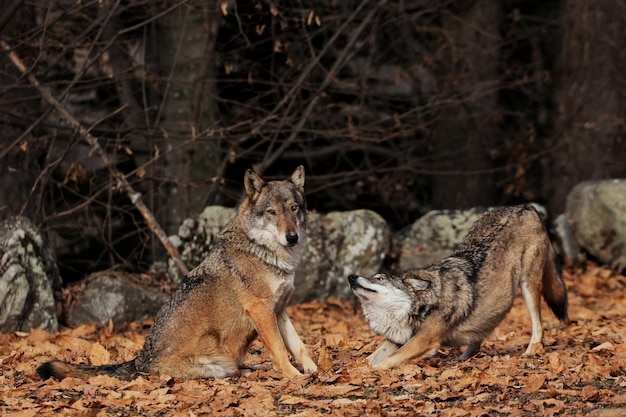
point(353, 280)
point(292, 239)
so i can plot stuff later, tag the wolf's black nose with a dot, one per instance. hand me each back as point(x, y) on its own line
point(352, 278)
point(292, 238)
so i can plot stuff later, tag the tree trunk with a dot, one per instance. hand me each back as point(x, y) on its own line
point(17, 174)
point(590, 96)
point(465, 131)
point(185, 49)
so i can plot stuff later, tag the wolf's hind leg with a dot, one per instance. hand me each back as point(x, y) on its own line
point(215, 366)
point(470, 351)
point(532, 297)
point(385, 349)
point(195, 367)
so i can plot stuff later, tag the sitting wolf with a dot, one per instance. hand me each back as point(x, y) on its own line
point(240, 290)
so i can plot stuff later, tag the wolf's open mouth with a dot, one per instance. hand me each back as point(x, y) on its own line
point(354, 283)
point(356, 286)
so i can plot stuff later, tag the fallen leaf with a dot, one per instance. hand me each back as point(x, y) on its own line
point(590, 393)
point(330, 390)
point(292, 400)
point(534, 383)
point(98, 355)
point(583, 368)
point(603, 346)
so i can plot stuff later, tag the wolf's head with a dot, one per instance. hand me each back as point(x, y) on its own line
point(276, 209)
point(388, 303)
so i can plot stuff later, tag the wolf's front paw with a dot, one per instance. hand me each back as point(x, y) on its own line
point(383, 365)
point(309, 366)
point(292, 372)
point(375, 358)
point(534, 349)
point(385, 350)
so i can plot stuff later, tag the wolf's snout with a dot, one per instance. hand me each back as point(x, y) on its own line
point(292, 239)
point(352, 279)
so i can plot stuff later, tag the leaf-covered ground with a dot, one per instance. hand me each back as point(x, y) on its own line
point(581, 373)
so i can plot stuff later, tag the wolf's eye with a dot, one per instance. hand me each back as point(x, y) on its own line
point(294, 207)
point(271, 212)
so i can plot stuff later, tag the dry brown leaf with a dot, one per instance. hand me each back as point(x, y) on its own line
point(590, 393)
point(330, 390)
point(342, 402)
point(534, 384)
point(38, 336)
point(333, 340)
point(98, 355)
point(582, 372)
point(27, 413)
point(83, 330)
point(73, 344)
point(604, 346)
point(611, 412)
point(292, 400)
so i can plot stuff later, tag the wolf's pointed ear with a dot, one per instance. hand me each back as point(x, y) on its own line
point(298, 177)
point(418, 284)
point(253, 184)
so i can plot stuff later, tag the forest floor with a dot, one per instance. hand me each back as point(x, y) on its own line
point(581, 372)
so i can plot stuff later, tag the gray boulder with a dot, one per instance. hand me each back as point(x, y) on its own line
point(567, 246)
point(596, 211)
point(115, 296)
point(195, 236)
point(337, 244)
point(29, 278)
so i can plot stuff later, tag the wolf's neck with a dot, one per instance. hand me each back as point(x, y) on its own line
point(285, 259)
point(273, 254)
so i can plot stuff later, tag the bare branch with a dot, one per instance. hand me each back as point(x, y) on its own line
point(122, 182)
point(339, 63)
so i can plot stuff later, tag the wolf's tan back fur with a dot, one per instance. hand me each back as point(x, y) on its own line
point(239, 290)
point(505, 249)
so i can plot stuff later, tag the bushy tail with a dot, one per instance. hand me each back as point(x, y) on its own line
point(554, 291)
point(60, 370)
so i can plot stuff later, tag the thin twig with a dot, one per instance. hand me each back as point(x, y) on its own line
point(9, 13)
point(306, 72)
point(339, 63)
point(122, 182)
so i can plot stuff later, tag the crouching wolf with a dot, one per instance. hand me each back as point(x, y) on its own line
point(461, 299)
point(240, 290)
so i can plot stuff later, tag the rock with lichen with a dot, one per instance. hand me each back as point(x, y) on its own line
point(339, 244)
point(29, 278)
point(116, 296)
point(196, 236)
point(596, 212)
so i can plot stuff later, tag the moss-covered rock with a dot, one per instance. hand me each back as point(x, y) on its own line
point(29, 278)
point(596, 211)
point(114, 296)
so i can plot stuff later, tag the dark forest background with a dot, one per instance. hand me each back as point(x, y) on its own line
point(396, 106)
